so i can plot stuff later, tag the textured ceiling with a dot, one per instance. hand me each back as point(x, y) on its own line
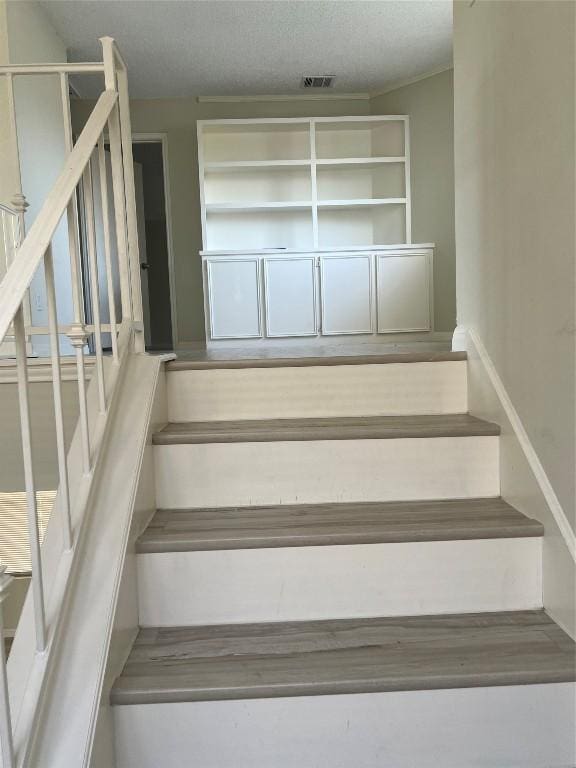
point(232, 47)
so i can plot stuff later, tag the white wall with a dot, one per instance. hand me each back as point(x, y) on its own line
point(32, 39)
point(514, 90)
point(429, 103)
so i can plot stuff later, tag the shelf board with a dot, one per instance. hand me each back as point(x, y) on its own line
point(255, 165)
point(365, 162)
point(372, 247)
point(250, 207)
point(361, 203)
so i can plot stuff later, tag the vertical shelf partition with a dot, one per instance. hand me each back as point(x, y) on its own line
point(302, 184)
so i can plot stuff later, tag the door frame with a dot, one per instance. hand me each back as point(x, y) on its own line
point(162, 139)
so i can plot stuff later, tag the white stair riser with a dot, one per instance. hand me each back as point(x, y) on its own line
point(250, 474)
point(349, 581)
point(502, 727)
point(321, 391)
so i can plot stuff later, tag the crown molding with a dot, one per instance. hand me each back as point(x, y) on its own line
point(411, 80)
point(284, 97)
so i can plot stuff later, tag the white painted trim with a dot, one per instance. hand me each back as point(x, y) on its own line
point(39, 369)
point(284, 97)
point(524, 441)
point(411, 80)
point(501, 726)
point(318, 391)
point(324, 471)
point(162, 138)
point(297, 583)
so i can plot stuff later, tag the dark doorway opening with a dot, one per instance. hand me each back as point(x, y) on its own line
point(154, 244)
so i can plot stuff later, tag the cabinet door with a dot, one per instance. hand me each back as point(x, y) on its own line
point(346, 291)
point(403, 287)
point(290, 296)
point(234, 298)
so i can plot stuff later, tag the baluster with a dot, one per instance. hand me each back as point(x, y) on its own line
point(131, 217)
point(64, 492)
point(120, 213)
point(107, 255)
point(20, 204)
point(110, 82)
point(5, 243)
point(94, 286)
point(6, 741)
point(34, 536)
point(77, 333)
point(78, 338)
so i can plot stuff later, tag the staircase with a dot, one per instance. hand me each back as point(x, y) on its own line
point(331, 579)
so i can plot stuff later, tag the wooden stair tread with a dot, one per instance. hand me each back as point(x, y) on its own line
point(219, 360)
point(344, 656)
point(329, 524)
point(343, 428)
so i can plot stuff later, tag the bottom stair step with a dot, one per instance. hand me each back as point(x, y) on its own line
point(310, 658)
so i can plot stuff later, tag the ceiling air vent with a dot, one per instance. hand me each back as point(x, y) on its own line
point(317, 81)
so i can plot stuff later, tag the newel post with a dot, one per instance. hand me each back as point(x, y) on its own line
point(6, 741)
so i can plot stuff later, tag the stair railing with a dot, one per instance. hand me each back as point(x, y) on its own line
point(107, 260)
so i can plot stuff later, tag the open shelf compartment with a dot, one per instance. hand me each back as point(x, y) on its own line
point(360, 139)
point(259, 230)
point(254, 141)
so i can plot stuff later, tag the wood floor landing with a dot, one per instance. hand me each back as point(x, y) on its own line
point(306, 525)
point(345, 428)
point(347, 656)
point(288, 359)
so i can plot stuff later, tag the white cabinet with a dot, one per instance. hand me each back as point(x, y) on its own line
point(234, 298)
point(290, 296)
point(346, 290)
point(296, 295)
point(403, 289)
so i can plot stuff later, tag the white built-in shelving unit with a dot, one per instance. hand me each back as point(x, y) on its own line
point(278, 196)
point(305, 182)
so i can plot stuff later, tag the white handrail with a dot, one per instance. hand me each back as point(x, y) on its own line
point(83, 68)
point(94, 262)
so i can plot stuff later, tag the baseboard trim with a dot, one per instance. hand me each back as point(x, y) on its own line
point(464, 338)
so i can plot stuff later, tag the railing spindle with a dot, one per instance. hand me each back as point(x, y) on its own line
point(78, 337)
point(25, 428)
point(6, 740)
point(94, 285)
point(63, 490)
point(107, 254)
point(131, 216)
point(77, 334)
point(120, 212)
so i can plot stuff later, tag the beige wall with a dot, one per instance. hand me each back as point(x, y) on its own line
point(514, 85)
point(44, 435)
point(429, 103)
